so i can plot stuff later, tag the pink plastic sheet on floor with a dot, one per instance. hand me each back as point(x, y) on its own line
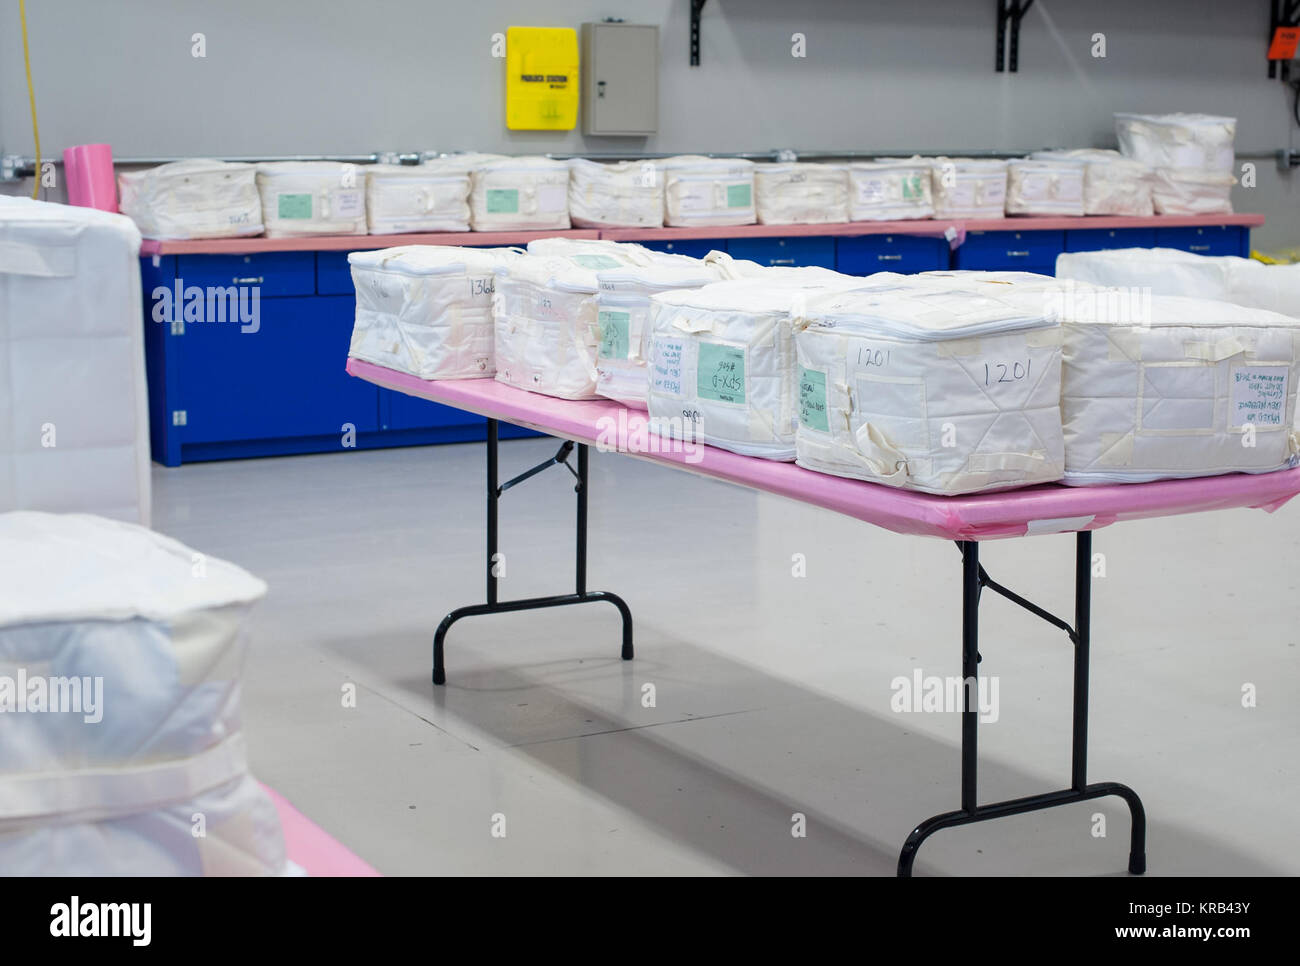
point(1050, 508)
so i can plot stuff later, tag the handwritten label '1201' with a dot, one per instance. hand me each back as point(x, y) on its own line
point(996, 372)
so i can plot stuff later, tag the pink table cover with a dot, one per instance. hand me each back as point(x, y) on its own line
point(1049, 508)
point(311, 847)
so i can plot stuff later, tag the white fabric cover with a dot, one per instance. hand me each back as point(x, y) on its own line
point(312, 198)
point(547, 321)
point(707, 191)
point(427, 309)
point(1165, 386)
point(1045, 187)
point(626, 194)
point(968, 188)
point(1168, 271)
point(428, 197)
point(164, 630)
point(520, 194)
point(890, 189)
point(1177, 191)
point(74, 419)
point(801, 194)
point(623, 322)
point(722, 363)
point(929, 384)
point(1112, 183)
point(1197, 141)
point(197, 198)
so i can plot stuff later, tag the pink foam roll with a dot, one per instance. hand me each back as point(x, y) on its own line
point(88, 171)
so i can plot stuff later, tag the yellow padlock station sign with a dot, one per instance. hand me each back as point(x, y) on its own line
point(541, 78)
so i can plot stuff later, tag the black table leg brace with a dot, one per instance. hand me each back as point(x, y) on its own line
point(495, 606)
point(974, 580)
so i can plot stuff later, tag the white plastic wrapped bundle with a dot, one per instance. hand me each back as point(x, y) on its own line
point(801, 194)
point(968, 188)
point(1112, 183)
point(722, 363)
point(1045, 187)
point(707, 191)
point(629, 193)
point(890, 189)
point(72, 358)
point(1168, 271)
point(623, 320)
point(197, 198)
point(520, 194)
point(547, 321)
point(428, 197)
point(426, 309)
point(312, 198)
point(1194, 141)
point(930, 385)
point(1158, 386)
point(137, 659)
point(1184, 191)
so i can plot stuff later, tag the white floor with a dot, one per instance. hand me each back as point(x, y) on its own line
point(772, 692)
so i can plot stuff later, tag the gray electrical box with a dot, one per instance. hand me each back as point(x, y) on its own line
point(620, 79)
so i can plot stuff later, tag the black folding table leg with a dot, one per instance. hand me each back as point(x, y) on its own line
point(496, 606)
point(973, 581)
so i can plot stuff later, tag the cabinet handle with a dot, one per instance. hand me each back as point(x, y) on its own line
point(889, 258)
point(247, 280)
point(780, 261)
point(1017, 254)
point(1199, 248)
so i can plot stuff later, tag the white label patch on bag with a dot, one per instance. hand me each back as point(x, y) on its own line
point(666, 366)
point(552, 197)
point(695, 197)
point(871, 192)
point(350, 204)
point(1258, 395)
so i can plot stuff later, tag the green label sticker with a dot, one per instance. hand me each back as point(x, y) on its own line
point(503, 201)
point(721, 373)
point(596, 262)
point(812, 399)
point(912, 187)
point(614, 341)
point(294, 206)
point(739, 196)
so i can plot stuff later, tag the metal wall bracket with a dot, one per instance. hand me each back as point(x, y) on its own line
point(1010, 13)
point(697, 7)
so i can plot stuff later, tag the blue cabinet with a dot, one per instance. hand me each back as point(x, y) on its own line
point(274, 273)
point(1024, 251)
point(789, 252)
point(868, 254)
point(1096, 239)
point(333, 274)
point(1206, 240)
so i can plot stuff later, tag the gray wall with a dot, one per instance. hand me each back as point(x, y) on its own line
point(311, 76)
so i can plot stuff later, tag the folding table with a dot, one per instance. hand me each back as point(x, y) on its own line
point(968, 520)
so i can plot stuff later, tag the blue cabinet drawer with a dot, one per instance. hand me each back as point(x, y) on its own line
point(868, 254)
point(1096, 239)
point(274, 273)
point(1206, 240)
point(694, 247)
point(785, 251)
point(333, 274)
point(1014, 250)
point(400, 411)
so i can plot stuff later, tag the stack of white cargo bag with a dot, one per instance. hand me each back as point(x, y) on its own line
point(520, 194)
point(1191, 156)
point(427, 197)
point(1112, 183)
point(1045, 187)
point(968, 188)
point(707, 191)
point(312, 198)
point(890, 189)
point(197, 198)
point(627, 194)
point(801, 194)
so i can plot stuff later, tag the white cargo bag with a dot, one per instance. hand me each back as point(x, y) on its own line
point(520, 194)
point(722, 363)
point(707, 191)
point(1045, 187)
point(1112, 183)
point(968, 188)
point(928, 385)
point(74, 417)
point(1183, 191)
point(426, 309)
point(627, 194)
point(197, 198)
point(1195, 141)
point(890, 189)
point(425, 197)
point(121, 653)
point(312, 198)
point(801, 194)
